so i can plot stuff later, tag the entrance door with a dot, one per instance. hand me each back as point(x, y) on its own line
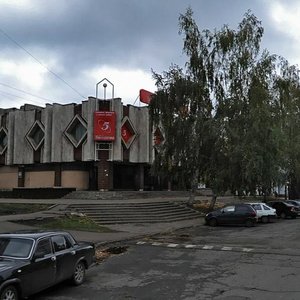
point(125, 177)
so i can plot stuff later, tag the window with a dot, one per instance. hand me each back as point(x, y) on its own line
point(44, 247)
point(3, 140)
point(60, 243)
point(266, 207)
point(76, 131)
point(244, 208)
point(15, 247)
point(229, 209)
point(103, 150)
point(256, 206)
point(35, 135)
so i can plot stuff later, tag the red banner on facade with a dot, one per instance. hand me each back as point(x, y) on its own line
point(126, 133)
point(104, 125)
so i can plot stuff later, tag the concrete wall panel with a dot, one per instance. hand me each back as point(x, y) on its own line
point(8, 177)
point(88, 108)
point(117, 145)
point(139, 149)
point(62, 149)
point(39, 179)
point(47, 121)
point(77, 179)
point(22, 152)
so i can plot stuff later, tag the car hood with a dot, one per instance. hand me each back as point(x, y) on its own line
point(6, 264)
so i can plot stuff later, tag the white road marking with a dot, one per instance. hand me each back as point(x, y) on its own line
point(207, 247)
point(172, 245)
point(226, 248)
point(190, 246)
point(247, 249)
point(156, 244)
point(141, 243)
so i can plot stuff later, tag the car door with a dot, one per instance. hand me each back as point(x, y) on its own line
point(40, 273)
point(66, 257)
point(227, 215)
point(242, 213)
point(259, 209)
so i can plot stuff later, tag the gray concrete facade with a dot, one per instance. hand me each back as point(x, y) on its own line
point(41, 135)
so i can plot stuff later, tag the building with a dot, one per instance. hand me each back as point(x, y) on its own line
point(95, 145)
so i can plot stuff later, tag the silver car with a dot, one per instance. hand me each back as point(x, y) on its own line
point(264, 212)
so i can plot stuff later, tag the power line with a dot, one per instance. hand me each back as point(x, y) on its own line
point(15, 96)
point(11, 87)
point(57, 76)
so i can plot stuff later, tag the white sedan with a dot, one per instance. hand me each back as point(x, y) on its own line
point(264, 212)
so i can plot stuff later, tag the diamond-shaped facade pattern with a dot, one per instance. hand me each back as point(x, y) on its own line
point(128, 133)
point(76, 131)
point(36, 135)
point(3, 140)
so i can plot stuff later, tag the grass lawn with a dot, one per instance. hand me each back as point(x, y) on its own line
point(22, 208)
point(67, 223)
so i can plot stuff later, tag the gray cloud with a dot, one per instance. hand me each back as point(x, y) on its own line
point(129, 34)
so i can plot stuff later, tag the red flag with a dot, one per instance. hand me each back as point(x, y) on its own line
point(145, 96)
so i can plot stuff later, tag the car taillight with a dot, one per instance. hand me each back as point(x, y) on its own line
point(253, 214)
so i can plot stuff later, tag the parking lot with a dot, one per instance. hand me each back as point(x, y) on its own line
point(281, 235)
point(201, 262)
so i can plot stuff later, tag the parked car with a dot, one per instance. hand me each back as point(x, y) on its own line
point(264, 212)
point(33, 261)
point(284, 209)
point(238, 214)
point(296, 203)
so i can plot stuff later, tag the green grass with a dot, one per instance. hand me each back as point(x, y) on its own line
point(67, 223)
point(22, 208)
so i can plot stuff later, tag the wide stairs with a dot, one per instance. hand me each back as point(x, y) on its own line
point(124, 208)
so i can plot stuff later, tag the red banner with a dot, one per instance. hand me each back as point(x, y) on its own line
point(145, 96)
point(126, 133)
point(104, 125)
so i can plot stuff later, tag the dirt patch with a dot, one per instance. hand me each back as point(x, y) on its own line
point(102, 254)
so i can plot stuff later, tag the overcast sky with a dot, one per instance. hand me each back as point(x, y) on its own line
point(58, 50)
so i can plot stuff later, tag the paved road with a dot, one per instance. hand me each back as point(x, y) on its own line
point(199, 263)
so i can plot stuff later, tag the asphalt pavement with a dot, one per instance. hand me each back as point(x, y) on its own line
point(121, 232)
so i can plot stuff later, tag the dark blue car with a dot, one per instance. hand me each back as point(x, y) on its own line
point(237, 214)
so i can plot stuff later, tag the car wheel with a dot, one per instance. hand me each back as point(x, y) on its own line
point(9, 293)
point(213, 222)
point(79, 273)
point(283, 215)
point(264, 219)
point(249, 223)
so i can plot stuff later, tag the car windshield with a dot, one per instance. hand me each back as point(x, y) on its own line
point(15, 247)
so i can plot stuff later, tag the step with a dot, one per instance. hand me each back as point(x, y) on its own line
point(144, 221)
point(143, 212)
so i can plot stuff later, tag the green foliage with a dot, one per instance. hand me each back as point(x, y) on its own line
point(81, 223)
point(231, 117)
point(21, 208)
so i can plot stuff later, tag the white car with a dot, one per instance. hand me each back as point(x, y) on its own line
point(264, 212)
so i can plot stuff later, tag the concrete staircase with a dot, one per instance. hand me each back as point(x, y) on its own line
point(125, 195)
point(141, 212)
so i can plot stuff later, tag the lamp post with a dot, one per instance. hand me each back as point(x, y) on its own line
point(105, 86)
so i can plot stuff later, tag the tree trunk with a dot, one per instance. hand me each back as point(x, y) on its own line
point(213, 202)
